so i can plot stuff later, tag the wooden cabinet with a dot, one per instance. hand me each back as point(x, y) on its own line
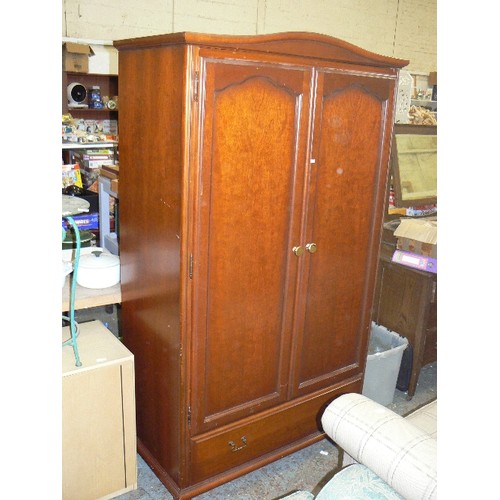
point(98, 416)
point(252, 181)
point(406, 302)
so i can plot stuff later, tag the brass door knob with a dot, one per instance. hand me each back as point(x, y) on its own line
point(311, 247)
point(298, 251)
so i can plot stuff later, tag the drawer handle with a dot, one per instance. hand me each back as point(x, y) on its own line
point(233, 446)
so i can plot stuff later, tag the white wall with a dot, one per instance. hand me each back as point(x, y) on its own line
point(400, 28)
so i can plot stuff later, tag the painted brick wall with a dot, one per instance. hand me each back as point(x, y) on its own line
point(416, 33)
point(115, 19)
point(400, 28)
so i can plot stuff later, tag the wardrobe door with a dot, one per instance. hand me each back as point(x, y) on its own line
point(347, 182)
point(248, 207)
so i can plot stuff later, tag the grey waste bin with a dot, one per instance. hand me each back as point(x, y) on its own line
point(385, 352)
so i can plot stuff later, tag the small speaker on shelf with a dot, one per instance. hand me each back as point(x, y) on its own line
point(77, 94)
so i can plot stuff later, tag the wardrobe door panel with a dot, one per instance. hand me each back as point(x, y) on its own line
point(253, 133)
point(345, 182)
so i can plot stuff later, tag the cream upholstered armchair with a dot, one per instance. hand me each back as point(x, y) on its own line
point(384, 455)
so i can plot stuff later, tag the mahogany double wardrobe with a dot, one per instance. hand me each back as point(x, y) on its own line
point(253, 174)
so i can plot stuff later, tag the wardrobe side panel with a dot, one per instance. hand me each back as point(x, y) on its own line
point(151, 187)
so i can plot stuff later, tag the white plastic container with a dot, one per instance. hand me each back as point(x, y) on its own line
point(98, 269)
point(385, 352)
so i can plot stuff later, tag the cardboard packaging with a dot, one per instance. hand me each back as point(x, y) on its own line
point(94, 158)
point(71, 176)
point(84, 221)
point(112, 172)
point(75, 57)
point(105, 60)
point(418, 236)
point(91, 161)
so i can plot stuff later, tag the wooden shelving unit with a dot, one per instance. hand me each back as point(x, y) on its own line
point(108, 85)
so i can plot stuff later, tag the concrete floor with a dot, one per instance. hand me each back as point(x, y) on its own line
point(308, 469)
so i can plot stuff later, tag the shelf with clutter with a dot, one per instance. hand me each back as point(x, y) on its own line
point(89, 137)
point(89, 143)
point(81, 171)
point(413, 167)
point(410, 227)
point(417, 98)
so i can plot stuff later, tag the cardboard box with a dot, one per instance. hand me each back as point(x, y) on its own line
point(112, 173)
point(418, 236)
point(105, 60)
point(433, 78)
point(75, 57)
point(71, 176)
point(91, 161)
point(94, 157)
point(83, 221)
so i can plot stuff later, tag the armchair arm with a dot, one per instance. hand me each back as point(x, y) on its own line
point(401, 454)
